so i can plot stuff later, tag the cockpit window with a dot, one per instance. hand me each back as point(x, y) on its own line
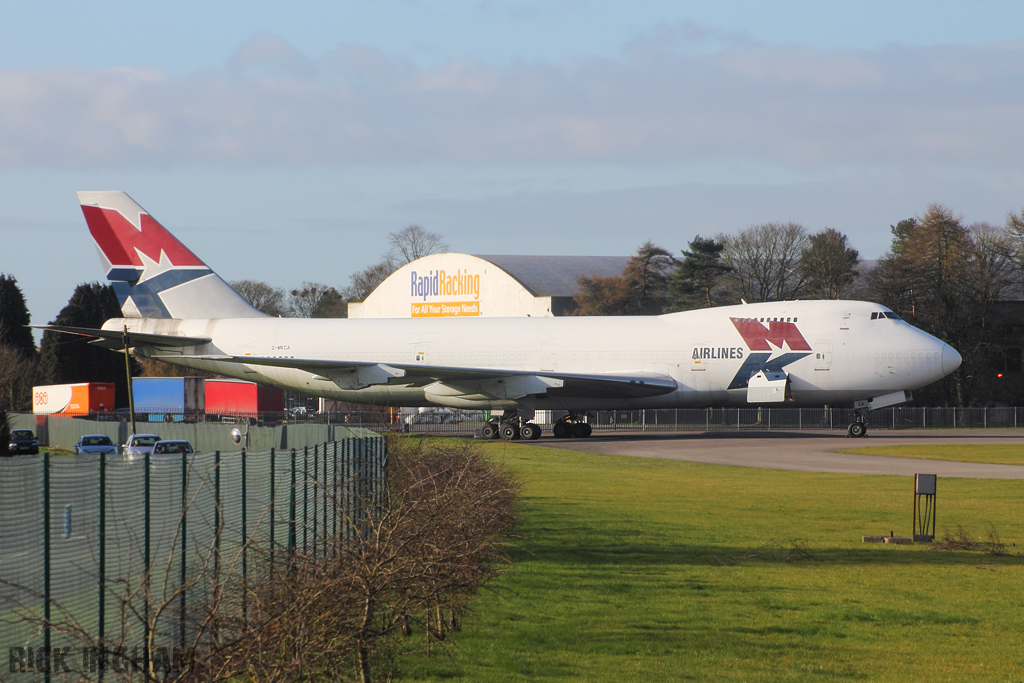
point(881, 315)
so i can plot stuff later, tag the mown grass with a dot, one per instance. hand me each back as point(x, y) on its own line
point(996, 454)
point(631, 569)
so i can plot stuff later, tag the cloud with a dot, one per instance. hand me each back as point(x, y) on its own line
point(681, 95)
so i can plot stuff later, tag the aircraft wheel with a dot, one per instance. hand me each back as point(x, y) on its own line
point(857, 430)
point(529, 432)
point(490, 431)
point(510, 432)
point(562, 430)
point(581, 430)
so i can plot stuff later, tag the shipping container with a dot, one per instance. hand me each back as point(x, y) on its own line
point(237, 397)
point(73, 399)
point(169, 398)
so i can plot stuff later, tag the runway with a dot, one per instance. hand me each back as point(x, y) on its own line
point(804, 451)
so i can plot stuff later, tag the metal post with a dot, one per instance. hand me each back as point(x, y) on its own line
point(216, 517)
point(245, 545)
point(128, 372)
point(102, 553)
point(46, 560)
point(334, 506)
point(273, 519)
point(182, 574)
point(291, 511)
point(305, 499)
point(326, 496)
point(316, 487)
point(147, 541)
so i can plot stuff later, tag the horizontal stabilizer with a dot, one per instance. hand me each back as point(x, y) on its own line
point(112, 339)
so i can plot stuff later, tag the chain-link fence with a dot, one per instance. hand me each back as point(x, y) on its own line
point(102, 554)
point(753, 419)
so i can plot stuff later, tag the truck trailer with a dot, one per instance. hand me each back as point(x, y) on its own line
point(73, 399)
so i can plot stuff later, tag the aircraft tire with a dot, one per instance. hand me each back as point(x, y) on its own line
point(857, 430)
point(562, 430)
point(490, 431)
point(581, 430)
point(510, 432)
point(529, 432)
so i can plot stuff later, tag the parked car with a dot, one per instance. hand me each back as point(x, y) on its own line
point(23, 441)
point(95, 443)
point(169, 446)
point(138, 445)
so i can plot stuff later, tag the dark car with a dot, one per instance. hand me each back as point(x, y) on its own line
point(95, 443)
point(172, 446)
point(23, 441)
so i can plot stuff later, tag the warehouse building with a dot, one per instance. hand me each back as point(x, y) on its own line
point(460, 285)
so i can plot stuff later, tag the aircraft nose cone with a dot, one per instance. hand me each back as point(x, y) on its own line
point(951, 359)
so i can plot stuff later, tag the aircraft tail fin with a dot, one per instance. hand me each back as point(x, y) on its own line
point(153, 274)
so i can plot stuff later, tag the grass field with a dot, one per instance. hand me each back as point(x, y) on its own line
point(636, 570)
point(997, 454)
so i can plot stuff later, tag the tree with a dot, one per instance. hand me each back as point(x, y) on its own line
point(15, 318)
point(765, 260)
point(829, 265)
point(65, 359)
point(412, 243)
point(642, 289)
point(312, 298)
point(693, 283)
point(263, 296)
point(18, 356)
point(944, 278)
point(361, 284)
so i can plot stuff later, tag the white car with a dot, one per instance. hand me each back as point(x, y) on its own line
point(138, 445)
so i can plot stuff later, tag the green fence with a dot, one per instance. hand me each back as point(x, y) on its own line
point(102, 554)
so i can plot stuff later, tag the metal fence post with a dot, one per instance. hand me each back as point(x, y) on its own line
point(182, 567)
point(273, 519)
point(305, 499)
point(316, 487)
point(102, 561)
point(292, 511)
point(147, 541)
point(46, 560)
point(245, 544)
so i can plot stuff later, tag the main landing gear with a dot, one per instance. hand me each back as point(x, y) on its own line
point(858, 429)
point(572, 426)
point(511, 427)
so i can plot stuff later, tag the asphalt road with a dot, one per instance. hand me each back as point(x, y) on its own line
point(805, 451)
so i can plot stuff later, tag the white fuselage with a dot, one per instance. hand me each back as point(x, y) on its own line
point(852, 351)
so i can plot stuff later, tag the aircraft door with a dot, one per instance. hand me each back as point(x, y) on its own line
point(823, 357)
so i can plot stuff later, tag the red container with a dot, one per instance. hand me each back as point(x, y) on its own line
point(235, 397)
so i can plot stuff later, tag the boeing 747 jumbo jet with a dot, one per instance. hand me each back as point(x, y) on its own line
point(786, 353)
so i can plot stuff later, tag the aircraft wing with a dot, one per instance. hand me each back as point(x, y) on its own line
point(498, 382)
point(501, 383)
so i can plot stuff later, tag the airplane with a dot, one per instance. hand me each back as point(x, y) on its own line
point(785, 353)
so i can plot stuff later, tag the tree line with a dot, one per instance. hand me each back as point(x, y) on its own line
point(961, 282)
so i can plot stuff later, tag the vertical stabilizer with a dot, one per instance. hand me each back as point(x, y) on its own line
point(153, 274)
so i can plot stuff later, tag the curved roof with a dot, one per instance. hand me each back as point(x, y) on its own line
point(556, 275)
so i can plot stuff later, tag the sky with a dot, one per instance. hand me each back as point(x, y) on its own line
point(284, 142)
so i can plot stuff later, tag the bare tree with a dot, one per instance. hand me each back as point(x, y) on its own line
point(412, 243)
point(765, 261)
point(307, 301)
point(263, 296)
point(361, 284)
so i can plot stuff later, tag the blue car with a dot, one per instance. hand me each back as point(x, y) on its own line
point(95, 443)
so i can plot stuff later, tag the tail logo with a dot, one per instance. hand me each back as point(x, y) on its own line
point(138, 250)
